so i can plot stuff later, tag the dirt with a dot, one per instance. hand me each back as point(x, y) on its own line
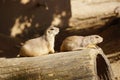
point(116, 69)
point(115, 64)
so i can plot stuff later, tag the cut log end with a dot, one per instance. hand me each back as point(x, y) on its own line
point(103, 68)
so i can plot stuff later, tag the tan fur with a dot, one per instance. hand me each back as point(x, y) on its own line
point(79, 42)
point(41, 45)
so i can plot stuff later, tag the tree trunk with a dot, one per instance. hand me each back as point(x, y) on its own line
point(88, 15)
point(89, 64)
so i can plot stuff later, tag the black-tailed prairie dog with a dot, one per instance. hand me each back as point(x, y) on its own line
point(41, 45)
point(80, 42)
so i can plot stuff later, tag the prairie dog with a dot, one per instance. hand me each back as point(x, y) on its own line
point(41, 45)
point(80, 42)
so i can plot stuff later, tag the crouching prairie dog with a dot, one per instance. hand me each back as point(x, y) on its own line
point(80, 42)
point(41, 45)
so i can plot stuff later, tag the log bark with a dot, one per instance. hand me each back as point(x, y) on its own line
point(74, 65)
point(97, 15)
point(95, 1)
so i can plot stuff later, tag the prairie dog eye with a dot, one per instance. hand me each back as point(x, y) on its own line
point(97, 37)
point(51, 29)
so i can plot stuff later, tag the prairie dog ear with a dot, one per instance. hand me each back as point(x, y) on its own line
point(48, 32)
point(92, 40)
point(52, 30)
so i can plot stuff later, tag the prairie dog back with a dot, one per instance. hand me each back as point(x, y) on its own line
point(71, 43)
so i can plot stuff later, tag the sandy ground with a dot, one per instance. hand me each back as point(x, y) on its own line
point(116, 69)
point(115, 64)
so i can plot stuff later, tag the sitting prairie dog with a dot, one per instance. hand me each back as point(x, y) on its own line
point(80, 42)
point(41, 45)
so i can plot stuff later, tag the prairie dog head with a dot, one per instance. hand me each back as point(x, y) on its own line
point(52, 30)
point(94, 39)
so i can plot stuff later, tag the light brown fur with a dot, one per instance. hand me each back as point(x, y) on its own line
point(41, 45)
point(80, 42)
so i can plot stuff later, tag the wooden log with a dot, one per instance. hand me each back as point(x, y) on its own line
point(95, 1)
point(89, 64)
point(92, 15)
